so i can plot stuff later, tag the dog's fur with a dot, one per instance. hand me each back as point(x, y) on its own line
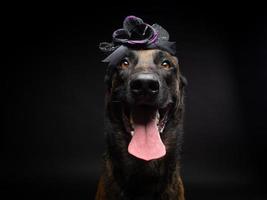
point(125, 176)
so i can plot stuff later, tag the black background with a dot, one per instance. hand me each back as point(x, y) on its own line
point(54, 97)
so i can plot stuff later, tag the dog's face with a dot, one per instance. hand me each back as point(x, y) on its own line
point(144, 99)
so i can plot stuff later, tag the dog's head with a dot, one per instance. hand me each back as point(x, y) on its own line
point(144, 99)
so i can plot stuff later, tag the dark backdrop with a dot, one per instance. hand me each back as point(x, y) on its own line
point(54, 97)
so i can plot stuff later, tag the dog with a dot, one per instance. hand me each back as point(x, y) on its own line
point(144, 108)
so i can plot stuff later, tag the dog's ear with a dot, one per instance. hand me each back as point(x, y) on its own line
point(111, 78)
point(108, 77)
point(182, 84)
point(183, 81)
point(108, 84)
point(107, 80)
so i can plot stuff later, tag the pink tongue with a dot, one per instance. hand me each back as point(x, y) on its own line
point(146, 143)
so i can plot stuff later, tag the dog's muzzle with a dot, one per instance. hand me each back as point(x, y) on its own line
point(144, 88)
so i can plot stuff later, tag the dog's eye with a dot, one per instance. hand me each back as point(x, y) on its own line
point(124, 63)
point(166, 64)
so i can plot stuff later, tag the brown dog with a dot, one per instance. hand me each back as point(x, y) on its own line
point(143, 125)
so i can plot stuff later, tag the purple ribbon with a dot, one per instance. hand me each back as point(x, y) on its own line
point(136, 34)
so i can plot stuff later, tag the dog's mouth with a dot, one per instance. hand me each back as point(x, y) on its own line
point(145, 124)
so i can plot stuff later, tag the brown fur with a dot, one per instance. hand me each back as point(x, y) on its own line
point(120, 168)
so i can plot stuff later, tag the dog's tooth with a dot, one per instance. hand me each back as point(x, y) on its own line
point(157, 117)
point(162, 129)
point(132, 133)
point(157, 114)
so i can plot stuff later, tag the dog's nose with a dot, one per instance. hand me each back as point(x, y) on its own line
point(144, 84)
